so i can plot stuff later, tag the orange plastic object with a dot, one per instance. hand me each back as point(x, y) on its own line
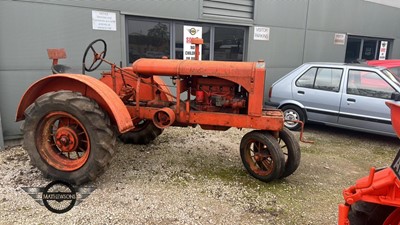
point(89, 87)
point(395, 116)
point(382, 187)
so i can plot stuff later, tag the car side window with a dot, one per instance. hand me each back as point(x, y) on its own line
point(327, 79)
point(369, 84)
point(307, 79)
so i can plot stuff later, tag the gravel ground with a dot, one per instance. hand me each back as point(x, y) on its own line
point(191, 176)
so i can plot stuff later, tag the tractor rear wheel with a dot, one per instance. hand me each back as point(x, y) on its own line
point(291, 150)
point(366, 213)
point(145, 131)
point(261, 155)
point(68, 137)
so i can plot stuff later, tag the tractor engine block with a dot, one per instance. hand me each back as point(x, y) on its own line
point(217, 95)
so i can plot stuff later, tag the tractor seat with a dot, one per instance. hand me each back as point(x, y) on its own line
point(59, 68)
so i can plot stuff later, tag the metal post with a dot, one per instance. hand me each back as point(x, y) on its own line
point(1, 136)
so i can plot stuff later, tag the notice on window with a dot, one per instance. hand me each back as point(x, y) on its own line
point(261, 33)
point(104, 20)
point(340, 39)
point(383, 50)
point(190, 32)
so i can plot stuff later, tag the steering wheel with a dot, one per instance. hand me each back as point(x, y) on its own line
point(97, 57)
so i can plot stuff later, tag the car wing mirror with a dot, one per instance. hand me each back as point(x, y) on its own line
point(395, 96)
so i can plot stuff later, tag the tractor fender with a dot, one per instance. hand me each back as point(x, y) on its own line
point(90, 87)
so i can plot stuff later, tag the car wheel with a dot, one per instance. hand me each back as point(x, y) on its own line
point(293, 113)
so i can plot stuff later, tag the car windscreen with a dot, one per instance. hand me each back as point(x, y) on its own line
point(395, 71)
point(393, 77)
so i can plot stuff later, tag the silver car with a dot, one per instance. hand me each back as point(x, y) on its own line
point(350, 96)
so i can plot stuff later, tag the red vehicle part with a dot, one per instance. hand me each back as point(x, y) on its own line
point(390, 63)
point(64, 131)
point(86, 85)
point(380, 191)
point(393, 65)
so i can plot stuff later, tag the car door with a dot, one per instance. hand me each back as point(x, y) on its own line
point(363, 101)
point(318, 89)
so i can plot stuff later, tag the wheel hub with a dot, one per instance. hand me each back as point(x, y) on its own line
point(258, 157)
point(290, 116)
point(66, 139)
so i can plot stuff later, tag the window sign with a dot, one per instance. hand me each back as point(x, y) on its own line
point(261, 33)
point(190, 32)
point(104, 20)
point(383, 50)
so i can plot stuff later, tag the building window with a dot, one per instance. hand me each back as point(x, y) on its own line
point(228, 44)
point(366, 48)
point(148, 39)
point(153, 38)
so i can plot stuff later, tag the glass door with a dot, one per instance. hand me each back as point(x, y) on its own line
point(369, 50)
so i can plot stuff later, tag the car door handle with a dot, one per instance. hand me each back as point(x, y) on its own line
point(301, 92)
point(351, 100)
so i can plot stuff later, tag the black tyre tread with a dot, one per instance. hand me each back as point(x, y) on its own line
point(143, 136)
point(294, 154)
point(99, 124)
point(299, 111)
point(366, 213)
point(274, 149)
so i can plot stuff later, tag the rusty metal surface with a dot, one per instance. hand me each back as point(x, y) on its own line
point(129, 80)
point(249, 75)
point(89, 87)
point(274, 123)
point(63, 141)
point(239, 72)
point(56, 53)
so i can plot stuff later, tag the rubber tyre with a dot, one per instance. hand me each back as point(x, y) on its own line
point(365, 213)
point(255, 168)
point(291, 150)
point(96, 124)
point(142, 135)
point(292, 112)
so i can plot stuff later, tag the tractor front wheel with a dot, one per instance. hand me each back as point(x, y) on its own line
point(261, 155)
point(291, 150)
point(68, 137)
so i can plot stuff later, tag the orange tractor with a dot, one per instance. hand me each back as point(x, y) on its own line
point(72, 120)
point(375, 199)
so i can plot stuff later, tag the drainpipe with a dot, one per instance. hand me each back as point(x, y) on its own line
point(305, 31)
point(1, 136)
